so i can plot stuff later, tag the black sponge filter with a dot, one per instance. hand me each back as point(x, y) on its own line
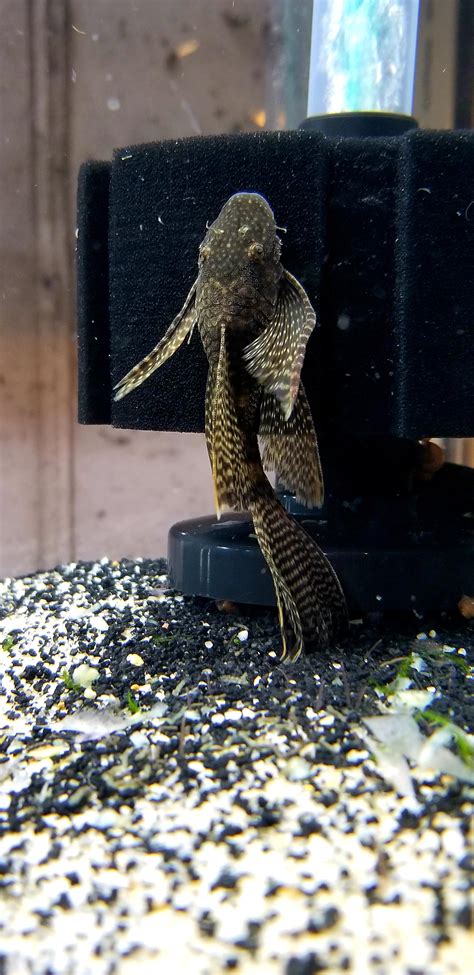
point(379, 231)
point(162, 197)
point(434, 284)
point(93, 293)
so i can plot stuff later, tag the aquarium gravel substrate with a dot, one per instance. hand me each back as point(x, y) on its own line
point(173, 798)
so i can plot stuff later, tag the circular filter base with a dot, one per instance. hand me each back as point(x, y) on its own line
point(222, 560)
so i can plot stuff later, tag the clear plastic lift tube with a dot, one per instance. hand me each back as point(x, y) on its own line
point(363, 56)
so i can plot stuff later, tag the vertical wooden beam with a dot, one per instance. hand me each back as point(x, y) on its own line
point(435, 84)
point(50, 28)
point(18, 394)
point(36, 341)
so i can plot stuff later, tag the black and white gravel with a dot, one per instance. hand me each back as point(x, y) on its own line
point(173, 797)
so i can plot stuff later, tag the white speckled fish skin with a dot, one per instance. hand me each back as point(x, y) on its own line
point(255, 320)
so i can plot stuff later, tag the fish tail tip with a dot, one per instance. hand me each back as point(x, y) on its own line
point(296, 653)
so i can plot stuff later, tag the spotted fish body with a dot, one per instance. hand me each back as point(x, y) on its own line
point(254, 320)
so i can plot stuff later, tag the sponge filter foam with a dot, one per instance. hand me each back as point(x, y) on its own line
point(379, 231)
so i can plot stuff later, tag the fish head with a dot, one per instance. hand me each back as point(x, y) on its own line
point(241, 240)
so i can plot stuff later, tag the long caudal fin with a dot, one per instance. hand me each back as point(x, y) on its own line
point(310, 600)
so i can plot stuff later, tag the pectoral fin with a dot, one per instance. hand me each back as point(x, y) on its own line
point(290, 448)
point(172, 339)
point(275, 358)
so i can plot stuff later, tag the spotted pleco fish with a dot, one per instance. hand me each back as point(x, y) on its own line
point(255, 320)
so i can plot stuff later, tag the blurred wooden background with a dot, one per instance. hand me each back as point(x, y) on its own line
point(78, 78)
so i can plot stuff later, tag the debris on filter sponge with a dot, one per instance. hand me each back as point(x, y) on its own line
point(466, 607)
point(210, 809)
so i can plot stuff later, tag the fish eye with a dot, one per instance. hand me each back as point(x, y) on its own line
point(243, 230)
point(255, 251)
point(204, 252)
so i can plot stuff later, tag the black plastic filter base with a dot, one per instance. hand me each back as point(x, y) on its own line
point(219, 559)
point(222, 560)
